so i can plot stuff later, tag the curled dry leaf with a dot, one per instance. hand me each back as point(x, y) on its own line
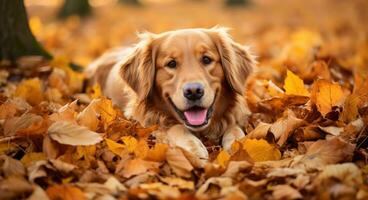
point(178, 182)
point(282, 128)
point(14, 187)
point(324, 152)
point(101, 107)
point(68, 133)
point(12, 167)
point(260, 131)
point(161, 190)
point(178, 162)
point(235, 167)
point(347, 173)
point(137, 166)
point(221, 183)
point(28, 124)
point(285, 192)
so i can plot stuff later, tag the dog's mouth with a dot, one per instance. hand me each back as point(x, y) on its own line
point(195, 116)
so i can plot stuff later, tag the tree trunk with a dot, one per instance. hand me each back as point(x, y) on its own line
point(236, 2)
point(75, 7)
point(16, 38)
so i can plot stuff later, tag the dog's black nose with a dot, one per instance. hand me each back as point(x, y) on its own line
point(193, 91)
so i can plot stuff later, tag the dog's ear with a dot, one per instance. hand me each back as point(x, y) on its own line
point(236, 60)
point(138, 68)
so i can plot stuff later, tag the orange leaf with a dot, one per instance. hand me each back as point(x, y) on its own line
point(261, 150)
point(223, 158)
point(327, 95)
point(30, 90)
point(138, 166)
point(158, 153)
point(130, 143)
point(116, 148)
point(65, 192)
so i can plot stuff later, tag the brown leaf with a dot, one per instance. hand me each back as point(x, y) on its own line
point(324, 152)
point(347, 173)
point(282, 128)
point(235, 167)
point(14, 188)
point(178, 162)
point(138, 166)
point(8, 110)
point(12, 167)
point(29, 124)
point(285, 192)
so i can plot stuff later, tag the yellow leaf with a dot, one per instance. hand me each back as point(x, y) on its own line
point(32, 157)
point(85, 151)
point(106, 110)
point(158, 153)
point(261, 150)
point(294, 85)
point(36, 25)
point(327, 95)
point(94, 91)
point(30, 90)
point(75, 79)
point(116, 148)
point(141, 151)
point(130, 143)
point(223, 158)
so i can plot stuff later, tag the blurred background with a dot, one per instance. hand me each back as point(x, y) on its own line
point(286, 32)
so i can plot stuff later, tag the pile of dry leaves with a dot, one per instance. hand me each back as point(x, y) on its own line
point(307, 134)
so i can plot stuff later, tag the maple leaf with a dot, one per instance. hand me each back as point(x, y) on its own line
point(68, 133)
point(294, 85)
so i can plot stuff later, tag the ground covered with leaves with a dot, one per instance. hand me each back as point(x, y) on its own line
point(306, 135)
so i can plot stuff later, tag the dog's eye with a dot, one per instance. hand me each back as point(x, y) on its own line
point(171, 64)
point(206, 60)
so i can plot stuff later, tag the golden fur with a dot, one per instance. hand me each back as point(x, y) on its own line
point(138, 80)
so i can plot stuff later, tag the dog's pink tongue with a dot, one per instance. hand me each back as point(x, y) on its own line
point(196, 117)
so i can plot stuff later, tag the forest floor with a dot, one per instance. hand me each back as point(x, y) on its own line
point(307, 134)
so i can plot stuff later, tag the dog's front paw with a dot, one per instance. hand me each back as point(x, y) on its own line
point(179, 136)
point(232, 134)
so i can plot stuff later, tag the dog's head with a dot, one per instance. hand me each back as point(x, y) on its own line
point(187, 72)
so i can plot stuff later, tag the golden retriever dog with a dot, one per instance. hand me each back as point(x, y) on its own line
point(191, 82)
